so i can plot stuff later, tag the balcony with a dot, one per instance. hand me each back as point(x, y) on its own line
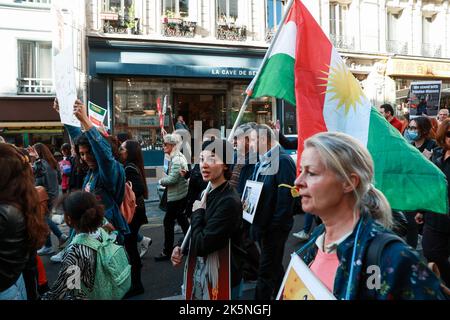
point(342, 42)
point(231, 31)
point(431, 50)
point(35, 86)
point(116, 23)
point(177, 27)
point(398, 47)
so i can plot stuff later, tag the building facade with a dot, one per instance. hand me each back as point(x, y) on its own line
point(26, 85)
point(388, 44)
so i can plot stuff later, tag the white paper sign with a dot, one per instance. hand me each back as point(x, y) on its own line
point(250, 199)
point(300, 283)
point(65, 86)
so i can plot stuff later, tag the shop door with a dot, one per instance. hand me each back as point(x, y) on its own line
point(208, 107)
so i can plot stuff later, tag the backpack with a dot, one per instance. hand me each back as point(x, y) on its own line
point(128, 206)
point(113, 271)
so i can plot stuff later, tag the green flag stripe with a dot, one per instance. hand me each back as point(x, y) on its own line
point(408, 182)
point(277, 79)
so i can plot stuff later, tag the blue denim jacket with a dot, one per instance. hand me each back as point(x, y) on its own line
point(107, 180)
point(404, 274)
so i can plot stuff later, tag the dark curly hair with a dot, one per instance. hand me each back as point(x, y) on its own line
point(17, 189)
point(85, 212)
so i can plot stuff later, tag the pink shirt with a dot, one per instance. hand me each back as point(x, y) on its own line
point(325, 267)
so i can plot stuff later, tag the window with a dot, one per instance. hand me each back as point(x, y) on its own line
point(337, 16)
point(227, 11)
point(274, 13)
point(35, 66)
point(175, 8)
point(118, 16)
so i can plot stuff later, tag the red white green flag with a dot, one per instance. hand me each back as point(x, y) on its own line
point(305, 69)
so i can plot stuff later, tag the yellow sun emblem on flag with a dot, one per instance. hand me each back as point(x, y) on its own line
point(345, 87)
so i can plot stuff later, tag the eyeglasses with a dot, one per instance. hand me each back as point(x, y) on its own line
point(412, 128)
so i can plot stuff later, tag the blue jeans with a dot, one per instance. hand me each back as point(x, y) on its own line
point(309, 218)
point(54, 227)
point(16, 292)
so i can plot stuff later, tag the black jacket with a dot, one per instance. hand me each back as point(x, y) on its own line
point(212, 228)
point(276, 204)
point(439, 222)
point(14, 246)
point(196, 186)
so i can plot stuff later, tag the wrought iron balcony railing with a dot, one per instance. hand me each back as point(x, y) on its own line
point(35, 86)
point(395, 46)
point(229, 31)
point(432, 50)
point(342, 42)
point(175, 27)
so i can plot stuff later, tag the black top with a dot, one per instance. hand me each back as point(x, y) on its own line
point(14, 252)
point(440, 222)
point(133, 175)
point(212, 228)
point(428, 144)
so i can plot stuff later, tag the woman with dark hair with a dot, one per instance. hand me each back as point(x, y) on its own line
point(419, 131)
point(214, 269)
point(46, 173)
point(85, 215)
point(22, 226)
point(436, 229)
point(132, 159)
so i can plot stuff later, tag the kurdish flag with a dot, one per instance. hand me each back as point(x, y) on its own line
point(304, 69)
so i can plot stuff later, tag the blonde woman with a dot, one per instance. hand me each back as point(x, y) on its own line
point(336, 185)
point(177, 189)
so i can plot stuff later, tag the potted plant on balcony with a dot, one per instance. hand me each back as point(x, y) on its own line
point(131, 22)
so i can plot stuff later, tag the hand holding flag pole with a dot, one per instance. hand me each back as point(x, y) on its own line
point(248, 93)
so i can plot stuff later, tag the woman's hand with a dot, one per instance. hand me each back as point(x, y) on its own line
point(108, 227)
point(177, 256)
point(32, 152)
point(80, 112)
point(183, 172)
point(419, 218)
point(199, 204)
point(427, 153)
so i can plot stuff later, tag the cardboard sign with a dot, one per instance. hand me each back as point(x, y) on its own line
point(65, 86)
point(300, 283)
point(250, 199)
point(96, 114)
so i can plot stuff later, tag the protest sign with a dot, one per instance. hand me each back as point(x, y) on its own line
point(250, 199)
point(65, 86)
point(96, 114)
point(424, 98)
point(300, 283)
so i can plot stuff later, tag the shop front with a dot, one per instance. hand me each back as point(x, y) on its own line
point(201, 83)
point(407, 71)
point(26, 121)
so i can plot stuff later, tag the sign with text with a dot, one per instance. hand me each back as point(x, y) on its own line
point(96, 114)
point(425, 98)
point(65, 86)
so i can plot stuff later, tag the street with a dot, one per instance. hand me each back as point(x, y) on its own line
point(160, 279)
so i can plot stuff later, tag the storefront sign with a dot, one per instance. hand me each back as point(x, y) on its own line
point(424, 98)
point(146, 121)
point(415, 68)
point(233, 72)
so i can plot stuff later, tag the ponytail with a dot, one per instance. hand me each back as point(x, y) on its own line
point(376, 204)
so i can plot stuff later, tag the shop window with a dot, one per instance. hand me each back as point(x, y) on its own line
point(259, 110)
point(35, 67)
point(229, 26)
point(119, 16)
point(289, 119)
point(136, 113)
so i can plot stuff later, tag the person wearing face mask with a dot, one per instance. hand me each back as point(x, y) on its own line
point(419, 132)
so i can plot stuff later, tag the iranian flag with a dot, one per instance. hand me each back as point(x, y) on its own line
point(305, 69)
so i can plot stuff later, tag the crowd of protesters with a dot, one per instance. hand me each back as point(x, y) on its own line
point(96, 172)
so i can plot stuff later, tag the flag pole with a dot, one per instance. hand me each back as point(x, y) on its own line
point(248, 94)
